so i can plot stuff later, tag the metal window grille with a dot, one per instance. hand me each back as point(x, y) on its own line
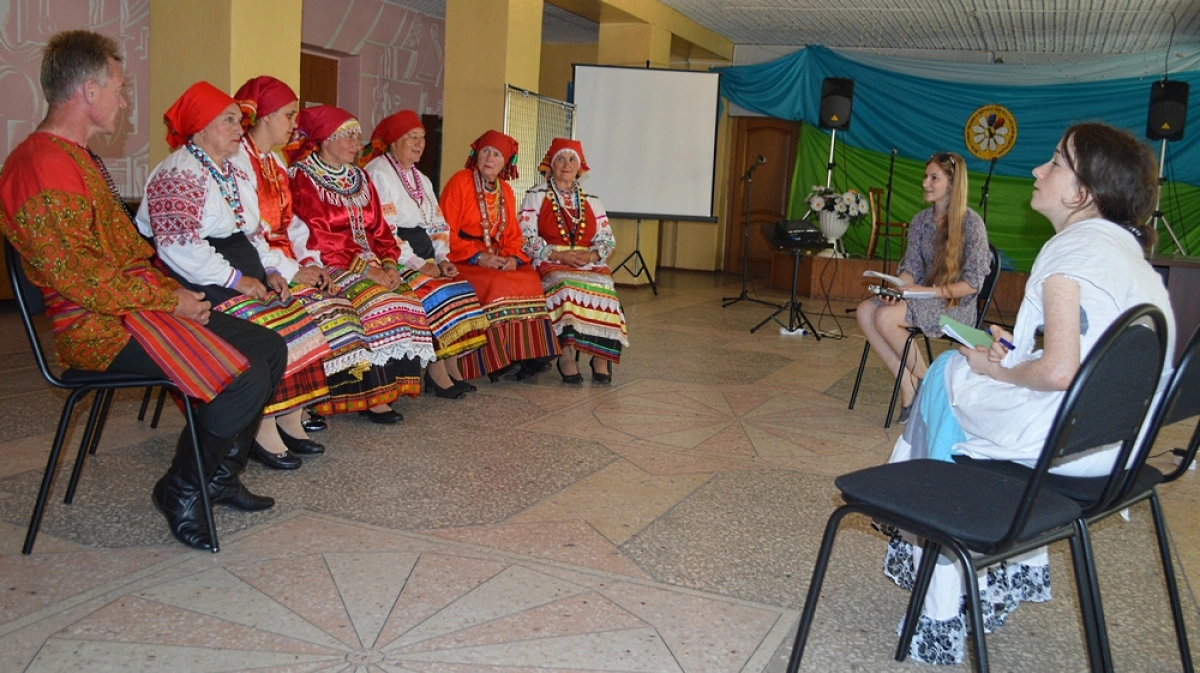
point(534, 120)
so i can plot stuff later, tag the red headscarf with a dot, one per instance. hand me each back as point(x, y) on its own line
point(261, 96)
point(507, 147)
point(314, 126)
point(388, 131)
point(198, 106)
point(563, 144)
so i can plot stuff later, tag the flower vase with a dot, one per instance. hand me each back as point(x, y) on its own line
point(833, 226)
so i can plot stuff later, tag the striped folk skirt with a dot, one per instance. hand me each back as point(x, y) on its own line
point(398, 342)
point(304, 379)
point(585, 309)
point(454, 314)
point(519, 326)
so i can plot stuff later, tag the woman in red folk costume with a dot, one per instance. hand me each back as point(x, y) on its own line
point(269, 111)
point(201, 210)
point(568, 238)
point(341, 229)
point(486, 244)
point(410, 207)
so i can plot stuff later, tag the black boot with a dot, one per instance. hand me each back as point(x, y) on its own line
point(177, 494)
point(225, 488)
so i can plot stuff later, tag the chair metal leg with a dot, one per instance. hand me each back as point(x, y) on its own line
point(145, 403)
point(928, 348)
point(90, 430)
point(39, 507)
point(974, 606)
point(930, 552)
point(899, 373)
point(861, 366)
point(1088, 587)
point(204, 499)
point(162, 395)
point(102, 420)
point(814, 587)
point(1164, 551)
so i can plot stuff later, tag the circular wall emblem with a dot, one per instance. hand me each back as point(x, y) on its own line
point(990, 132)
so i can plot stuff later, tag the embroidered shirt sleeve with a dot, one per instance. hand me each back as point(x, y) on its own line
point(72, 260)
point(603, 241)
point(175, 200)
point(535, 246)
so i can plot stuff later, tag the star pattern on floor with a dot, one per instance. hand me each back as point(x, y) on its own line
point(425, 609)
point(759, 423)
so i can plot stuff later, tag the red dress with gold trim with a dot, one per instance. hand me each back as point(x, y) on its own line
point(513, 301)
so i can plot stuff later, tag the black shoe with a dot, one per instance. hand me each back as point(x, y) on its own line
point(226, 489)
point(574, 379)
point(529, 370)
point(495, 376)
point(301, 446)
point(314, 423)
point(389, 417)
point(463, 385)
point(276, 461)
point(450, 392)
point(597, 377)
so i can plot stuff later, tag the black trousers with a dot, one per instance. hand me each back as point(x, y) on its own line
point(242, 401)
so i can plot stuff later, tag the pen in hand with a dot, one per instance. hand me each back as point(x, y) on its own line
point(1003, 342)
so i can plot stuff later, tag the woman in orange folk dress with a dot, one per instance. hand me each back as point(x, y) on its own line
point(486, 245)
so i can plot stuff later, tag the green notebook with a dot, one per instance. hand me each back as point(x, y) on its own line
point(965, 334)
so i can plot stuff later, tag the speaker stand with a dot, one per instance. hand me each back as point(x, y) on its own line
point(1158, 217)
point(639, 263)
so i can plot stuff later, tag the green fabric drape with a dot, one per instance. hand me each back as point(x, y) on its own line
point(1013, 227)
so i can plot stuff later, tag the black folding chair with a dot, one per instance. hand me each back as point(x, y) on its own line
point(982, 516)
point(158, 407)
point(1101, 497)
point(80, 383)
point(983, 301)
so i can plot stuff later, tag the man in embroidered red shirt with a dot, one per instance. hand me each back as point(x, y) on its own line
point(111, 309)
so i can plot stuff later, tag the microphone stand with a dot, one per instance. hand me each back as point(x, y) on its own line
point(748, 178)
point(887, 217)
point(983, 194)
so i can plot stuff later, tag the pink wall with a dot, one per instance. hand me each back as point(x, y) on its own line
point(399, 65)
point(400, 55)
point(26, 26)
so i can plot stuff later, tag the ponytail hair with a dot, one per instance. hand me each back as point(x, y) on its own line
point(948, 241)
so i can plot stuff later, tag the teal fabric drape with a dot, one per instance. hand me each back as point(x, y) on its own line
point(894, 107)
point(921, 115)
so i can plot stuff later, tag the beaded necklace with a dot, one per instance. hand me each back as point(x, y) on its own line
point(415, 191)
point(108, 179)
point(343, 187)
point(570, 212)
point(343, 180)
point(269, 171)
point(226, 183)
point(485, 217)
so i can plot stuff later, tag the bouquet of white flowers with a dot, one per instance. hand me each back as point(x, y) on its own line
point(850, 205)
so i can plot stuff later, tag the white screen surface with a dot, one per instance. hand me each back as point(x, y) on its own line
point(650, 140)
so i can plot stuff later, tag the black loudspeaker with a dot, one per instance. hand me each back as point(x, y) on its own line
point(837, 99)
point(1168, 110)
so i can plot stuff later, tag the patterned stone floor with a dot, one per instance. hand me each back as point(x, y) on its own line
point(667, 523)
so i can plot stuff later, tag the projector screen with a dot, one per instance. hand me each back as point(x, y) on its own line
point(650, 138)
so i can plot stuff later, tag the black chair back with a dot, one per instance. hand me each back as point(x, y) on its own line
point(29, 303)
point(1107, 401)
point(984, 300)
point(1180, 401)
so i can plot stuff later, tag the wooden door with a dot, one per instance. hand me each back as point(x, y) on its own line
point(431, 159)
point(318, 80)
point(775, 140)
